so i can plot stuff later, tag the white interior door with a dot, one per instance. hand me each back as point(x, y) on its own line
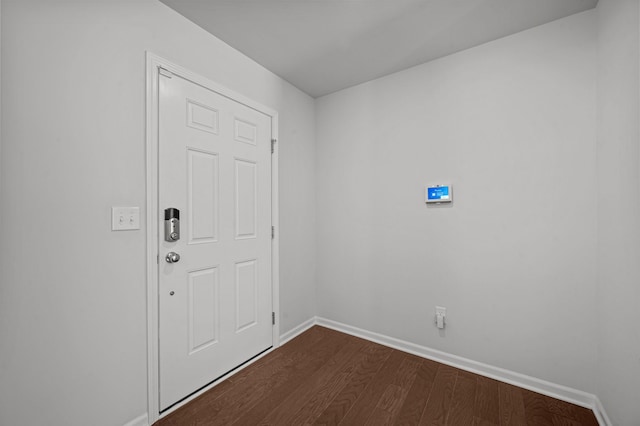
point(215, 303)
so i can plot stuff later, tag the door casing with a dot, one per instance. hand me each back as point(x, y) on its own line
point(154, 63)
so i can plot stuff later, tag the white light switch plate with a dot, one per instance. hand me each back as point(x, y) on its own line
point(125, 218)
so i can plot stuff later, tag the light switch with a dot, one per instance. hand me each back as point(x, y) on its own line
point(125, 218)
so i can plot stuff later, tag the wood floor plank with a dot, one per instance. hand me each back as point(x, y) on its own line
point(368, 398)
point(437, 409)
point(388, 406)
point(416, 399)
point(560, 408)
point(487, 400)
point(390, 403)
point(585, 416)
point(571, 411)
point(463, 400)
point(310, 376)
point(406, 374)
point(229, 408)
point(323, 384)
point(535, 409)
point(477, 421)
point(308, 413)
point(376, 358)
point(557, 420)
point(310, 338)
point(325, 377)
point(511, 406)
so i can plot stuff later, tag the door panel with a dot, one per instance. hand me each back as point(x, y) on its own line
point(215, 302)
point(246, 214)
point(203, 320)
point(246, 294)
point(203, 202)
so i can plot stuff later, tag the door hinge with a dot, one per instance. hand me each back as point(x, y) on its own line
point(165, 72)
point(273, 318)
point(273, 232)
point(273, 145)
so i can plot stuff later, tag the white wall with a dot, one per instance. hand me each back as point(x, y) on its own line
point(72, 293)
point(297, 213)
point(511, 124)
point(618, 301)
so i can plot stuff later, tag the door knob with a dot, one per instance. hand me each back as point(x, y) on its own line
point(172, 257)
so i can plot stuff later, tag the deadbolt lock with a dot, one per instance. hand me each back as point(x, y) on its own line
point(171, 224)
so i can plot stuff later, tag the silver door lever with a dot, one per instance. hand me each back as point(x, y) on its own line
point(172, 257)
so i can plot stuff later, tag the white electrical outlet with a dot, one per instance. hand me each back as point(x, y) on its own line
point(125, 218)
point(441, 313)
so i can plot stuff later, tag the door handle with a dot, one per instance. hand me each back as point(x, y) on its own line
point(172, 257)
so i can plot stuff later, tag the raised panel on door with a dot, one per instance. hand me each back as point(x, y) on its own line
point(203, 309)
point(245, 131)
point(246, 294)
point(202, 190)
point(246, 198)
point(202, 117)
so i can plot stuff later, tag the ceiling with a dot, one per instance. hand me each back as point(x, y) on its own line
point(321, 46)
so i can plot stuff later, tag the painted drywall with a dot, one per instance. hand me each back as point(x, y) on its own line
point(511, 125)
point(618, 301)
point(72, 292)
point(297, 227)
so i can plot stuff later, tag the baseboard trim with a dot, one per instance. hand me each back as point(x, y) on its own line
point(601, 414)
point(284, 338)
point(544, 387)
point(141, 420)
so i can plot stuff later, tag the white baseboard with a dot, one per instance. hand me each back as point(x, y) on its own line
point(141, 420)
point(544, 387)
point(284, 338)
point(601, 415)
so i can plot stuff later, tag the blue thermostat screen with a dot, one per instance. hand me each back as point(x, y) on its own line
point(438, 194)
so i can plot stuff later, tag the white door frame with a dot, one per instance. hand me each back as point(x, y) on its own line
point(154, 63)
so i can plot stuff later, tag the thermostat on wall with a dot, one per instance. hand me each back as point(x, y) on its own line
point(442, 193)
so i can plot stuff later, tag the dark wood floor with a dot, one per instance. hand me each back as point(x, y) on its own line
point(324, 377)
